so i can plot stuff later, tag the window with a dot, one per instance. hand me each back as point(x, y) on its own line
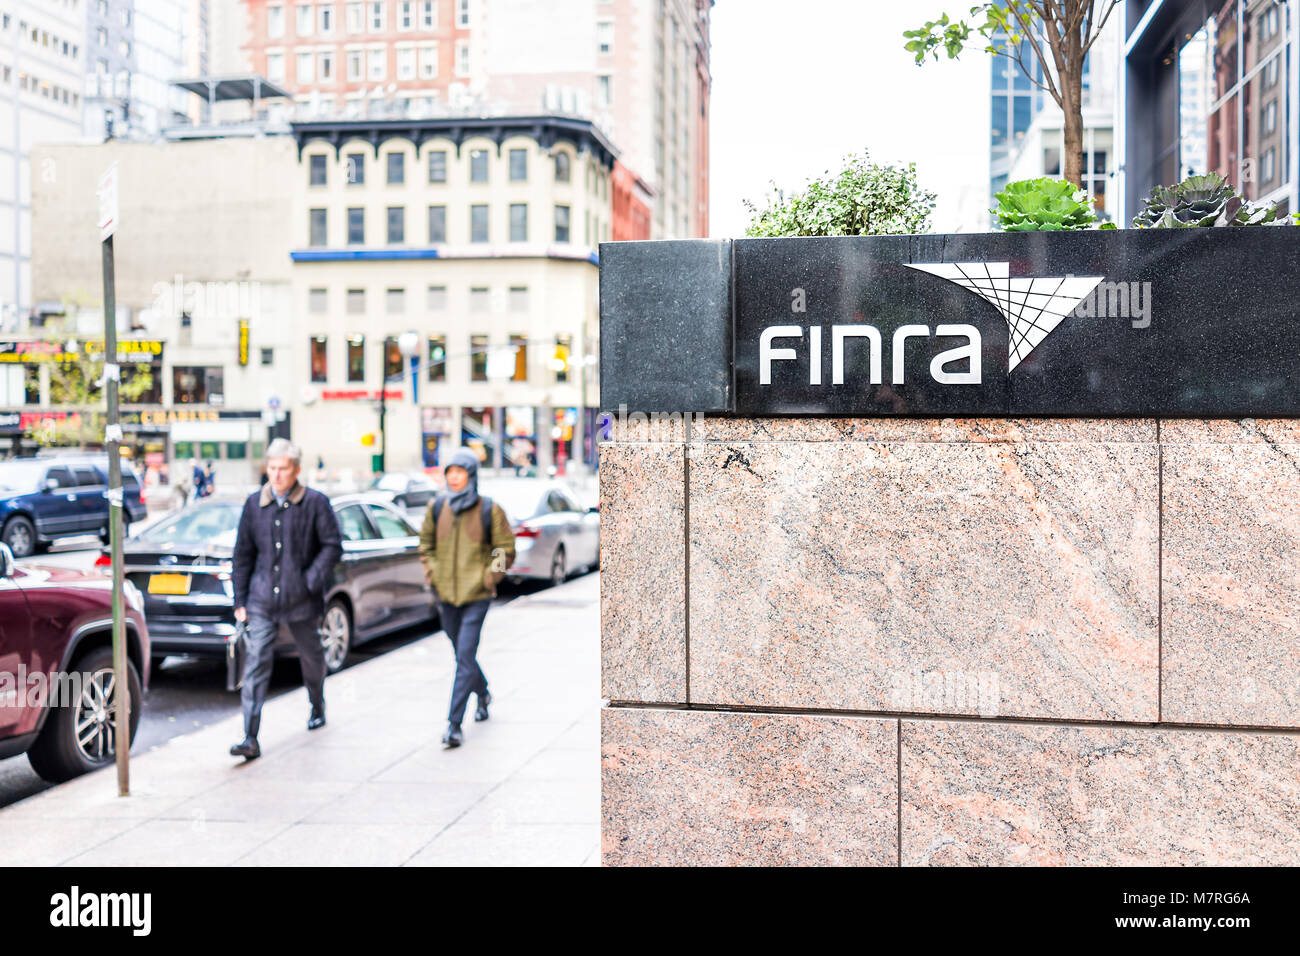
point(438, 166)
point(1268, 166)
point(563, 166)
point(274, 22)
point(396, 169)
point(356, 358)
point(353, 525)
point(356, 226)
point(305, 19)
point(518, 165)
point(198, 385)
point(479, 299)
point(406, 63)
point(268, 358)
point(392, 359)
point(305, 68)
point(318, 235)
point(316, 168)
point(275, 67)
point(354, 65)
point(326, 66)
point(561, 223)
point(478, 223)
point(604, 90)
point(478, 345)
point(518, 222)
point(437, 358)
point(406, 15)
point(604, 38)
point(395, 301)
point(377, 63)
point(435, 299)
point(356, 301)
point(356, 17)
point(86, 477)
point(356, 169)
point(462, 58)
point(388, 523)
point(563, 350)
point(317, 301)
point(437, 224)
point(396, 225)
point(428, 14)
point(520, 344)
point(327, 18)
point(478, 165)
point(1270, 116)
point(428, 61)
point(463, 16)
point(519, 298)
point(377, 16)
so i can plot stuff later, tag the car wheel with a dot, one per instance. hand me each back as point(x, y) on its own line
point(81, 735)
point(20, 535)
point(559, 573)
point(336, 635)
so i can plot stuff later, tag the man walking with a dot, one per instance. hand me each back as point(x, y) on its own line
point(466, 545)
point(287, 545)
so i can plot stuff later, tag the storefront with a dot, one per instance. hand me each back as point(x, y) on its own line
point(437, 426)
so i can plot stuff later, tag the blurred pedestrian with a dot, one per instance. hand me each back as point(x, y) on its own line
point(197, 479)
point(209, 480)
point(287, 546)
point(466, 545)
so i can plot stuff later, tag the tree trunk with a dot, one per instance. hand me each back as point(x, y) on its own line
point(1072, 106)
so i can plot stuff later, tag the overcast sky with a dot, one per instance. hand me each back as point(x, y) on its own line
point(797, 86)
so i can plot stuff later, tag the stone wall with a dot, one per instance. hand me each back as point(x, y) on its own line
point(939, 641)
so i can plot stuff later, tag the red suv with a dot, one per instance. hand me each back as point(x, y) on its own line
point(56, 666)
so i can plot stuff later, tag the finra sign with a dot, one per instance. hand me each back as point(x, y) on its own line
point(861, 342)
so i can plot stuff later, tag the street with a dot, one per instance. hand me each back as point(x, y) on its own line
point(186, 694)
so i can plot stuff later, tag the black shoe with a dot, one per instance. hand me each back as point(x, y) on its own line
point(453, 737)
point(317, 718)
point(481, 713)
point(248, 749)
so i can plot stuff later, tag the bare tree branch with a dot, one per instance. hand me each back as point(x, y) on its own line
point(1025, 70)
point(1093, 39)
point(1028, 26)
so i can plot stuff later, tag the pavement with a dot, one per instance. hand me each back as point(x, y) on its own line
point(374, 786)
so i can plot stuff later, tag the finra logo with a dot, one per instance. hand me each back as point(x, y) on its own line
point(843, 334)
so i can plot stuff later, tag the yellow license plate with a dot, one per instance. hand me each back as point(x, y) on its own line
point(169, 584)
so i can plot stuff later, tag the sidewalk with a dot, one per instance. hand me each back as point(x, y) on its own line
point(374, 786)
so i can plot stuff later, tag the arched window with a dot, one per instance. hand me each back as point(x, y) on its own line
point(561, 167)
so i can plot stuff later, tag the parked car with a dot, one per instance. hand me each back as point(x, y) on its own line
point(183, 566)
point(55, 622)
point(44, 499)
point(554, 535)
point(409, 491)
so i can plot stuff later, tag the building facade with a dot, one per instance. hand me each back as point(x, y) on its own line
point(1210, 87)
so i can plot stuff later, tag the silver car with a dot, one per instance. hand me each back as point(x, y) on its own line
point(554, 535)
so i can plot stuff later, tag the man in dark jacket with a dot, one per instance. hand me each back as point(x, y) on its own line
point(287, 545)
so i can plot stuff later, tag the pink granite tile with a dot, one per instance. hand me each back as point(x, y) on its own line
point(998, 579)
point(1183, 431)
point(711, 429)
point(725, 789)
point(986, 794)
point(643, 572)
point(1231, 594)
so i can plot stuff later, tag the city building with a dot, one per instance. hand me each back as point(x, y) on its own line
point(1027, 127)
point(42, 65)
point(1210, 87)
point(638, 69)
point(134, 49)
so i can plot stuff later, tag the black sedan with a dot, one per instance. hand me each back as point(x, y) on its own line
point(182, 566)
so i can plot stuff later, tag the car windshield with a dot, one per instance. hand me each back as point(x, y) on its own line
point(21, 476)
point(197, 524)
point(390, 482)
point(519, 499)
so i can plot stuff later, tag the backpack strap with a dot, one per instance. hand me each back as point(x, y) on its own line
point(437, 507)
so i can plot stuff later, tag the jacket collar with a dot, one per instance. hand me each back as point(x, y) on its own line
point(295, 496)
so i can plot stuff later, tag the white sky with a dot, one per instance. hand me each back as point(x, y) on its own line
point(797, 86)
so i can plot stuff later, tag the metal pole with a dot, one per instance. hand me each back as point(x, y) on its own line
point(383, 411)
point(121, 682)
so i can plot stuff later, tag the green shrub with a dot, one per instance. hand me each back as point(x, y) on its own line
point(1049, 205)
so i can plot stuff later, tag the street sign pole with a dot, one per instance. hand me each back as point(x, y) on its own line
point(108, 218)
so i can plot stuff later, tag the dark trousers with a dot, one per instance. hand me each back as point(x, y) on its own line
point(463, 624)
point(259, 656)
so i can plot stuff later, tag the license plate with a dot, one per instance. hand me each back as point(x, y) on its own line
point(169, 584)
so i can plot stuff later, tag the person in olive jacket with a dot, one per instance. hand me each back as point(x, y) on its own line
point(285, 552)
point(465, 545)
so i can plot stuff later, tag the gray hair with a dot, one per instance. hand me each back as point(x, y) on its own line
point(283, 448)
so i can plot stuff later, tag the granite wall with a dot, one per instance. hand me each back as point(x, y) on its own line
point(925, 641)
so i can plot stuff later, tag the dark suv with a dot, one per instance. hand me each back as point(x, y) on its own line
point(42, 499)
point(56, 666)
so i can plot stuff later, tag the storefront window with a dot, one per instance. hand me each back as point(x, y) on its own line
point(478, 347)
point(209, 450)
point(183, 449)
point(198, 385)
point(319, 368)
point(392, 360)
point(437, 358)
point(356, 358)
point(236, 450)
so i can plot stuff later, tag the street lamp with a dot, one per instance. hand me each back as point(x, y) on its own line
point(408, 343)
